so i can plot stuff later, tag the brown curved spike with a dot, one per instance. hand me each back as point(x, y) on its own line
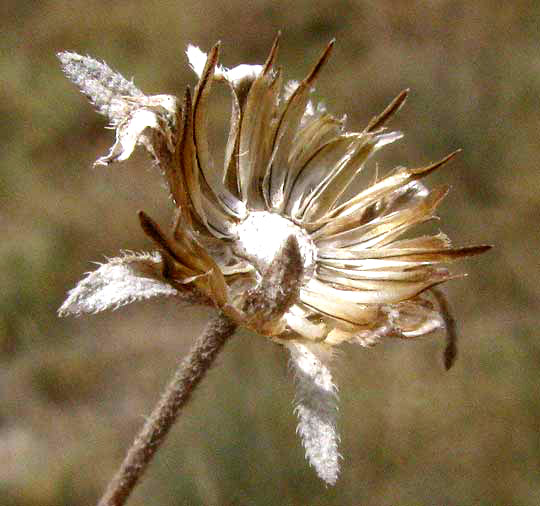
point(424, 171)
point(209, 68)
point(450, 350)
point(320, 63)
point(213, 55)
point(468, 251)
point(391, 109)
point(273, 54)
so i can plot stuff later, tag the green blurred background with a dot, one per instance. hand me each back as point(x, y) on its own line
point(74, 392)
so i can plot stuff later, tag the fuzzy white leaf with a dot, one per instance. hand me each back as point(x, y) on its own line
point(118, 282)
point(316, 407)
point(105, 88)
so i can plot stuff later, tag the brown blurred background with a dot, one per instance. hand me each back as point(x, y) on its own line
point(74, 392)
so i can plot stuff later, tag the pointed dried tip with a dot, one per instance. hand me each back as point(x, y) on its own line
point(424, 171)
point(391, 109)
point(149, 226)
point(273, 54)
point(475, 250)
point(153, 230)
point(211, 61)
point(320, 63)
point(209, 67)
point(450, 350)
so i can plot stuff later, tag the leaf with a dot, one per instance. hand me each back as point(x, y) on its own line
point(316, 407)
point(118, 282)
point(107, 90)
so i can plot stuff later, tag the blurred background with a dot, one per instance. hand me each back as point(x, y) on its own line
point(74, 392)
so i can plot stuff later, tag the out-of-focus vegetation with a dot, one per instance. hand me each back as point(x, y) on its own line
point(74, 392)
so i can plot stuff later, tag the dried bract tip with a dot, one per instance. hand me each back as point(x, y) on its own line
point(321, 62)
point(451, 350)
point(391, 109)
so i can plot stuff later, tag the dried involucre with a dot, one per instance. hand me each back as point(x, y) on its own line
point(276, 246)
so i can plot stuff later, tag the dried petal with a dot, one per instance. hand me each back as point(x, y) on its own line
point(129, 134)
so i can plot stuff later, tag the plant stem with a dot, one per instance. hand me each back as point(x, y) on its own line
point(186, 378)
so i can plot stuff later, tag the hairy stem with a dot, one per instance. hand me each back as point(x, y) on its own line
point(186, 378)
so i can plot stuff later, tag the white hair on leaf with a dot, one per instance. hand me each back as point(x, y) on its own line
point(116, 283)
point(316, 407)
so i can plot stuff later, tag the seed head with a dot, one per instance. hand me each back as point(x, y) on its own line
point(276, 246)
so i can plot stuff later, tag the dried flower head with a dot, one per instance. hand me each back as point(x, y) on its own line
point(275, 246)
